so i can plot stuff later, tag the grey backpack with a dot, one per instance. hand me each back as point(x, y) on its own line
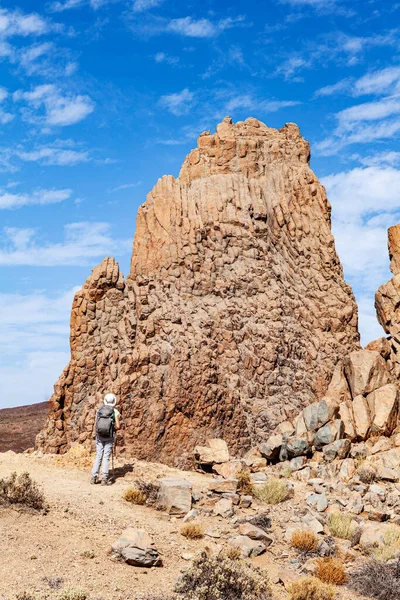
point(105, 422)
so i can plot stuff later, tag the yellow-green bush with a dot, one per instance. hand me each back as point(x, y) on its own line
point(273, 491)
point(311, 588)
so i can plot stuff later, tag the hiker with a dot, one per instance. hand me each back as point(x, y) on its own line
point(107, 422)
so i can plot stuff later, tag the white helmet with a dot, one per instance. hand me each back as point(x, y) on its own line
point(110, 400)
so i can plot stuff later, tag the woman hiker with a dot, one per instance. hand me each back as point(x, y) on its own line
point(108, 420)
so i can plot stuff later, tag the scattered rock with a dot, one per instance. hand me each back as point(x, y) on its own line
point(175, 495)
point(247, 546)
point(215, 452)
point(136, 547)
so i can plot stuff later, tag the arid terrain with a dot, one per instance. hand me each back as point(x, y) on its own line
point(70, 545)
point(19, 426)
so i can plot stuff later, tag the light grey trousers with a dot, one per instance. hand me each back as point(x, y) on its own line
point(103, 453)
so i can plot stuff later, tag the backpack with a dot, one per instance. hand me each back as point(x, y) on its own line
point(105, 422)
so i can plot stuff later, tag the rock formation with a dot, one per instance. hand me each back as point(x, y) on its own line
point(234, 313)
point(387, 304)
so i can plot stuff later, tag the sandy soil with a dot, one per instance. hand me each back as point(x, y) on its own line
point(83, 518)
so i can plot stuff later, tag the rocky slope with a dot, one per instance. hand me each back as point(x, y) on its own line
point(19, 426)
point(234, 313)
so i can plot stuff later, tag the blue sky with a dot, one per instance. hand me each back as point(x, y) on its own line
point(100, 98)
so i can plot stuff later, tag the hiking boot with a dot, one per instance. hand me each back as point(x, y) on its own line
point(94, 480)
point(105, 481)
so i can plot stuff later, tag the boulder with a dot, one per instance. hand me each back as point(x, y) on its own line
point(382, 445)
point(295, 447)
point(255, 533)
point(230, 469)
point(346, 415)
point(329, 433)
point(362, 417)
point(317, 414)
point(215, 452)
point(338, 388)
point(365, 371)
point(245, 501)
point(247, 546)
point(347, 469)
point(175, 495)
point(339, 449)
point(381, 345)
point(224, 507)
point(271, 448)
point(136, 547)
point(384, 405)
point(221, 486)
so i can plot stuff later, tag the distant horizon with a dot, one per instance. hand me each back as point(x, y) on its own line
point(99, 98)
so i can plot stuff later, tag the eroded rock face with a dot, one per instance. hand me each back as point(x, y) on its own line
point(234, 313)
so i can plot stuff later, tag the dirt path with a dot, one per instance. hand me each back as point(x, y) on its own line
point(84, 520)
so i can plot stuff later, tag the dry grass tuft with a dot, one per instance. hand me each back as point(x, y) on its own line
point(273, 491)
point(72, 595)
point(366, 473)
point(220, 577)
point(134, 496)
point(330, 570)
point(311, 588)
point(342, 525)
point(377, 580)
point(192, 531)
point(233, 553)
point(305, 541)
point(390, 547)
point(245, 485)
point(21, 490)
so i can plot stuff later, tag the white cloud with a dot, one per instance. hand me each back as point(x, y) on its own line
point(179, 103)
point(291, 66)
point(59, 6)
point(378, 82)
point(251, 103)
point(38, 197)
point(84, 242)
point(330, 90)
point(61, 108)
point(202, 28)
point(54, 155)
point(365, 202)
point(381, 159)
point(162, 57)
point(33, 341)
point(143, 5)
point(124, 186)
point(370, 111)
point(16, 23)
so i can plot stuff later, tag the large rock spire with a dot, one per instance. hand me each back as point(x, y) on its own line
point(235, 310)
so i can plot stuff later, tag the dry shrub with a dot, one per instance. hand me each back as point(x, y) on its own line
point(209, 578)
point(233, 553)
point(330, 570)
point(376, 580)
point(192, 531)
point(245, 485)
point(367, 474)
point(262, 521)
point(151, 596)
point(311, 588)
point(273, 491)
point(72, 595)
point(390, 547)
point(22, 490)
point(24, 596)
point(342, 525)
point(134, 496)
point(149, 489)
point(305, 541)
